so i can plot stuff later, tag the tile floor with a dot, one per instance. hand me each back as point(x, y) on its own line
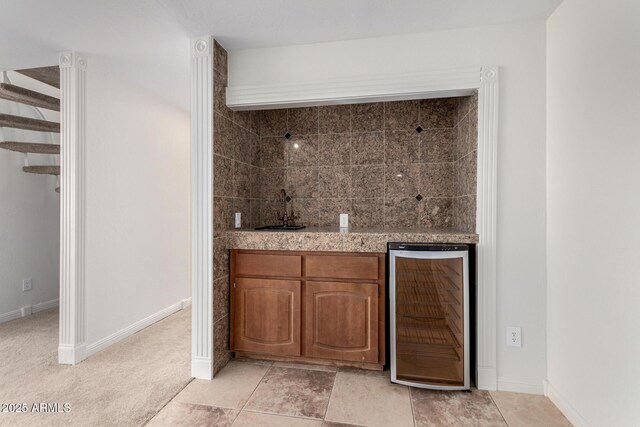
point(261, 393)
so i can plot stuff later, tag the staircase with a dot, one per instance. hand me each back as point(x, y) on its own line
point(36, 100)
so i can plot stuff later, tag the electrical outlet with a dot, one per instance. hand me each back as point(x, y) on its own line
point(514, 336)
point(344, 220)
point(26, 285)
point(238, 219)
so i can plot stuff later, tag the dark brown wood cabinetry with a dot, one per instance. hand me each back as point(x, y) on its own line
point(326, 307)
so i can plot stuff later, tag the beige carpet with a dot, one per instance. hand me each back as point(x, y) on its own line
point(124, 385)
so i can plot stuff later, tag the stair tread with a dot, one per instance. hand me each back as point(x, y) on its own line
point(29, 147)
point(19, 122)
point(45, 170)
point(48, 75)
point(28, 97)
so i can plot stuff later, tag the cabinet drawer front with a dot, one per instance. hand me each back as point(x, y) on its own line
point(342, 266)
point(268, 265)
point(266, 316)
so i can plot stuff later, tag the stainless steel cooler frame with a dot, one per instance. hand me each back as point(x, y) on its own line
point(431, 251)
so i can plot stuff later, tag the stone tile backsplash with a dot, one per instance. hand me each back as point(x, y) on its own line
point(371, 161)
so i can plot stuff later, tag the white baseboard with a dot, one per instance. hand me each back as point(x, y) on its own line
point(42, 306)
point(504, 384)
point(565, 407)
point(487, 378)
point(11, 315)
point(71, 355)
point(100, 345)
point(185, 303)
point(28, 310)
point(202, 368)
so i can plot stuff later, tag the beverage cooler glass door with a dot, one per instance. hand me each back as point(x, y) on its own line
point(429, 313)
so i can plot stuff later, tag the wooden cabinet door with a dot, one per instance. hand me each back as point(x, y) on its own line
point(341, 321)
point(266, 317)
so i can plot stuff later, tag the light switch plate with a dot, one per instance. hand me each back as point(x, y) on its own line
point(26, 285)
point(238, 219)
point(344, 220)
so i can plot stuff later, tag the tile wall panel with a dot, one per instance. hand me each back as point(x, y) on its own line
point(236, 188)
point(465, 136)
point(371, 161)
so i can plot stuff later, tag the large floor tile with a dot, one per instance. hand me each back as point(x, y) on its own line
point(254, 361)
point(332, 424)
point(254, 419)
point(182, 414)
point(230, 388)
point(528, 410)
point(296, 392)
point(369, 399)
point(305, 366)
point(455, 408)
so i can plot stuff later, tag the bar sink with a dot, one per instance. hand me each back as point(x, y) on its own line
point(281, 227)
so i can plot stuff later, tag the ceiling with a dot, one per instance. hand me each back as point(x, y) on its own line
point(243, 24)
point(144, 35)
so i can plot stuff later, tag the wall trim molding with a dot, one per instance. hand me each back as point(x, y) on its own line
point(486, 222)
point(72, 207)
point(201, 368)
point(202, 206)
point(505, 384)
point(71, 355)
point(10, 315)
point(487, 377)
point(28, 310)
point(126, 332)
point(428, 84)
point(45, 305)
point(563, 404)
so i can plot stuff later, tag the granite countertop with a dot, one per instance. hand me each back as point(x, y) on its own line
point(335, 239)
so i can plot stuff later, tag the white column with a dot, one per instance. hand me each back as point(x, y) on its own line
point(202, 206)
point(71, 349)
point(486, 227)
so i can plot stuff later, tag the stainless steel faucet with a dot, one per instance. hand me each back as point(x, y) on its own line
point(286, 218)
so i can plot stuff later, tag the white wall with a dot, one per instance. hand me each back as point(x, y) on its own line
point(29, 215)
point(138, 192)
point(520, 52)
point(593, 162)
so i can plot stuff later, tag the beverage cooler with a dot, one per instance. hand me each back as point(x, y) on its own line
point(429, 315)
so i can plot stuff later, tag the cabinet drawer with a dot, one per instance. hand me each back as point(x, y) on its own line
point(342, 266)
point(268, 265)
